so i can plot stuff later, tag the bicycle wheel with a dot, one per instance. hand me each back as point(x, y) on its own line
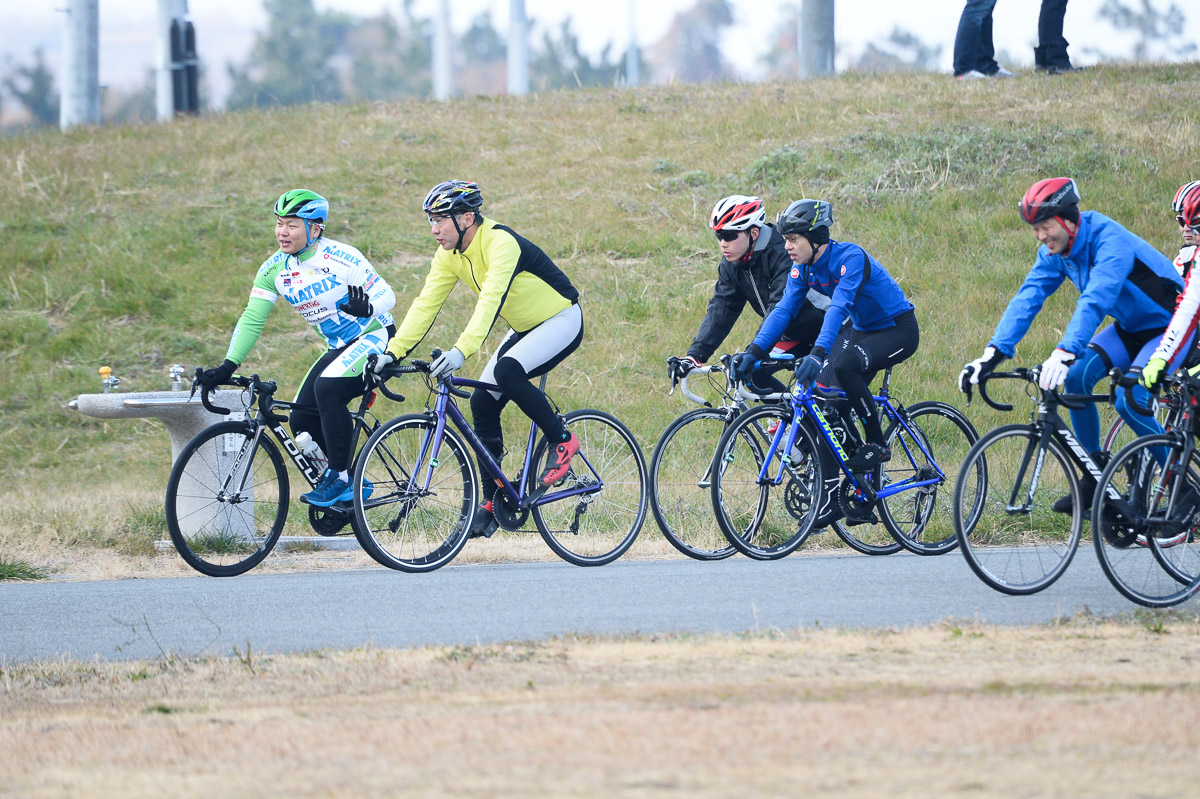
point(763, 520)
point(227, 499)
point(921, 519)
point(596, 527)
point(413, 507)
point(1018, 545)
point(680, 479)
point(1144, 522)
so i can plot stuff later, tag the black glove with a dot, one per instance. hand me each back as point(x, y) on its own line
point(809, 367)
point(743, 363)
point(356, 303)
point(219, 375)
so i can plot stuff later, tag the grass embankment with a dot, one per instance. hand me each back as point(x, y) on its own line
point(134, 247)
point(1082, 708)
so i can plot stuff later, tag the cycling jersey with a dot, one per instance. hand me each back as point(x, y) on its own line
point(759, 281)
point(1117, 274)
point(1187, 312)
point(1185, 260)
point(314, 282)
point(858, 287)
point(514, 279)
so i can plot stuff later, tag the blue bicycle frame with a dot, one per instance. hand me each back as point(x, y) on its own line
point(803, 402)
point(444, 409)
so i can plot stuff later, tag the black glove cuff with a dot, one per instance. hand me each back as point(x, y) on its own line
point(819, 353)
point(756, 351)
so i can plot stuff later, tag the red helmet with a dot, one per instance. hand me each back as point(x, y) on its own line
point(1185, 191)
point(1048, 198)
point(1191, 210)
point(737, 212)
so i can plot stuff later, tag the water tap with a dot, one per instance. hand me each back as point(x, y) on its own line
point(177, 377)
point(106, 377)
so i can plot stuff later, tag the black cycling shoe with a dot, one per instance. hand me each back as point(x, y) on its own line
point(1064, 504)
point(868, 457)
point(485, 523)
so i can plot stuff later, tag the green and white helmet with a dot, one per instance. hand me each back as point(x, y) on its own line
point(304, 204)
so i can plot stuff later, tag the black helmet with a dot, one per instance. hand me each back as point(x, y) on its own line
point(453, 197)
point(804, 217)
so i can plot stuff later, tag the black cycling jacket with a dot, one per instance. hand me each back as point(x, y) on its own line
point(759, 281)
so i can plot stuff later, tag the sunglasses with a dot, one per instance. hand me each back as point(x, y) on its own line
point(728, 235)
point(1183, 223)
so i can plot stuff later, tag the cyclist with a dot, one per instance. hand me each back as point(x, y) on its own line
point(1117, 274)
point(1187, 313)
point(515, 281)
point(883, 328)
point(1186, 258)
point(337, 291)
point(753, 269)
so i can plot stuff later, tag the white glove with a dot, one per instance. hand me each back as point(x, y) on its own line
point(381, 361)
point(977, 368)
point(1054, 370)
point(447, 363)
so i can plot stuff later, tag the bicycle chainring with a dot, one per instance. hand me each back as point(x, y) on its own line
point(857, 509)
point(797, 500)
point(510, 516)
point(328, 521)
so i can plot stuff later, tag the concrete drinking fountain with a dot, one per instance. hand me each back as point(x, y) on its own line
point(184, 416)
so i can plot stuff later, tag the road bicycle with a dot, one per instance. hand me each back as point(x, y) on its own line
point(228, 496)
point(1018, 544)
point(771, 474)
point(682, 464)
point(1145, 520)
point(424, 485)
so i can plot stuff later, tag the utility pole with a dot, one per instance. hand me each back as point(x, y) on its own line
point(79, 102)
point(443, 84)
point(631, 55)
point(177, 83)
point(518, 48)
point(816, 38)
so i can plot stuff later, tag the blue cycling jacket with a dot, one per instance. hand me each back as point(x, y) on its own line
point(1117, 274)
point(858, 286)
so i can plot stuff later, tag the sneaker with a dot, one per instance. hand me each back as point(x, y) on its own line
point(329, 489)
point(558, 463)
point(973, 74)
point(1003, 73)
point(485, 522)
point(868, 457)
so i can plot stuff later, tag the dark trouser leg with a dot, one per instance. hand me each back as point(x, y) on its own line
point(867, 354)
point(973, 42)
point(1051, 44)
point(337, 425)
point(485, 415)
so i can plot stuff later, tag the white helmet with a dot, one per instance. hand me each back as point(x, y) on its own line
point(738, 212)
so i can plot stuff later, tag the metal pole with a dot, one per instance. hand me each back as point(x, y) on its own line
point(164, 88)
point(79, 101)
point(443, 85)
point(631, 55)
point(518, 48)
point(817, 42)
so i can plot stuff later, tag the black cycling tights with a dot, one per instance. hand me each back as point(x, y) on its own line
point(858, 357)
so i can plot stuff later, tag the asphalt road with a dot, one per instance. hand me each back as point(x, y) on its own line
point(463, 605)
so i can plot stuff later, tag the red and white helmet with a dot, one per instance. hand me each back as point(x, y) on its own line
point(1190, 213)
point(1181, 197)
point(738, 212)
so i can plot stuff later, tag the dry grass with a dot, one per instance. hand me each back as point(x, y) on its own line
point(1086, 708)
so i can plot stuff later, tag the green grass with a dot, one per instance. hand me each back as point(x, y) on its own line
point(134, 247)
point(19, 570)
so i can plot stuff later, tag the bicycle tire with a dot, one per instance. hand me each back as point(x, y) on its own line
point(754, 517)
point(221, 523)
point(596, 528)
point(680, 480)
point(400, 523)
point(921, 519)
point(1151, 557)
point(1017, 549)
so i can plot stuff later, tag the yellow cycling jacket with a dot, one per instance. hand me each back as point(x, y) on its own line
point(514, 279)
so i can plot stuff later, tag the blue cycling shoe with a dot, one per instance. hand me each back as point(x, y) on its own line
point(329, 490)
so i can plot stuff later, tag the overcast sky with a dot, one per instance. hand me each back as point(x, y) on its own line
point(225, 29)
